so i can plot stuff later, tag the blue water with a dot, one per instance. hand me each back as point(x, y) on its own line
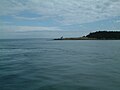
point(44, 64)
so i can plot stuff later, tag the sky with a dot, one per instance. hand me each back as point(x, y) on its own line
point(55, 18)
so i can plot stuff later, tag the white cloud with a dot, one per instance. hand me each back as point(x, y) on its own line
point(36, 28)
point(12, 28)
point(63, 11)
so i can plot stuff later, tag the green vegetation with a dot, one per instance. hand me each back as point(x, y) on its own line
point(98, 35)
point(105, 35)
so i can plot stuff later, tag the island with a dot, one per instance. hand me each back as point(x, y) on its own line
point(98, 35)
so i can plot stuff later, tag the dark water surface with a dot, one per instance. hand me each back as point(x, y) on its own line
point(41, 64)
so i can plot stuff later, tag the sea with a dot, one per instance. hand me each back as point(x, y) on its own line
point(46, 64)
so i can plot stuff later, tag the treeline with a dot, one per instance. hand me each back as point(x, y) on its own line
point(104, 35)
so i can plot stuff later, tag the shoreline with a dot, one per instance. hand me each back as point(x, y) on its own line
point(83, 38)
point(98, 35)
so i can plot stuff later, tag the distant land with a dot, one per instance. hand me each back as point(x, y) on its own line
point(98, 35)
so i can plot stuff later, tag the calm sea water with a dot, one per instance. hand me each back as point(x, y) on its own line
point(43, 64)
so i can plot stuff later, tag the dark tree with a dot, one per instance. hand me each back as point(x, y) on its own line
point(105, 35)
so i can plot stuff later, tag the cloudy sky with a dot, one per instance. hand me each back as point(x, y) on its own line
point(55, 18)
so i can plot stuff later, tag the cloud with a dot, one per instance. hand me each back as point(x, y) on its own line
point(26, 18)
point(11, 7)
point(66, 12)
point(36, 28)
point(12, 28)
